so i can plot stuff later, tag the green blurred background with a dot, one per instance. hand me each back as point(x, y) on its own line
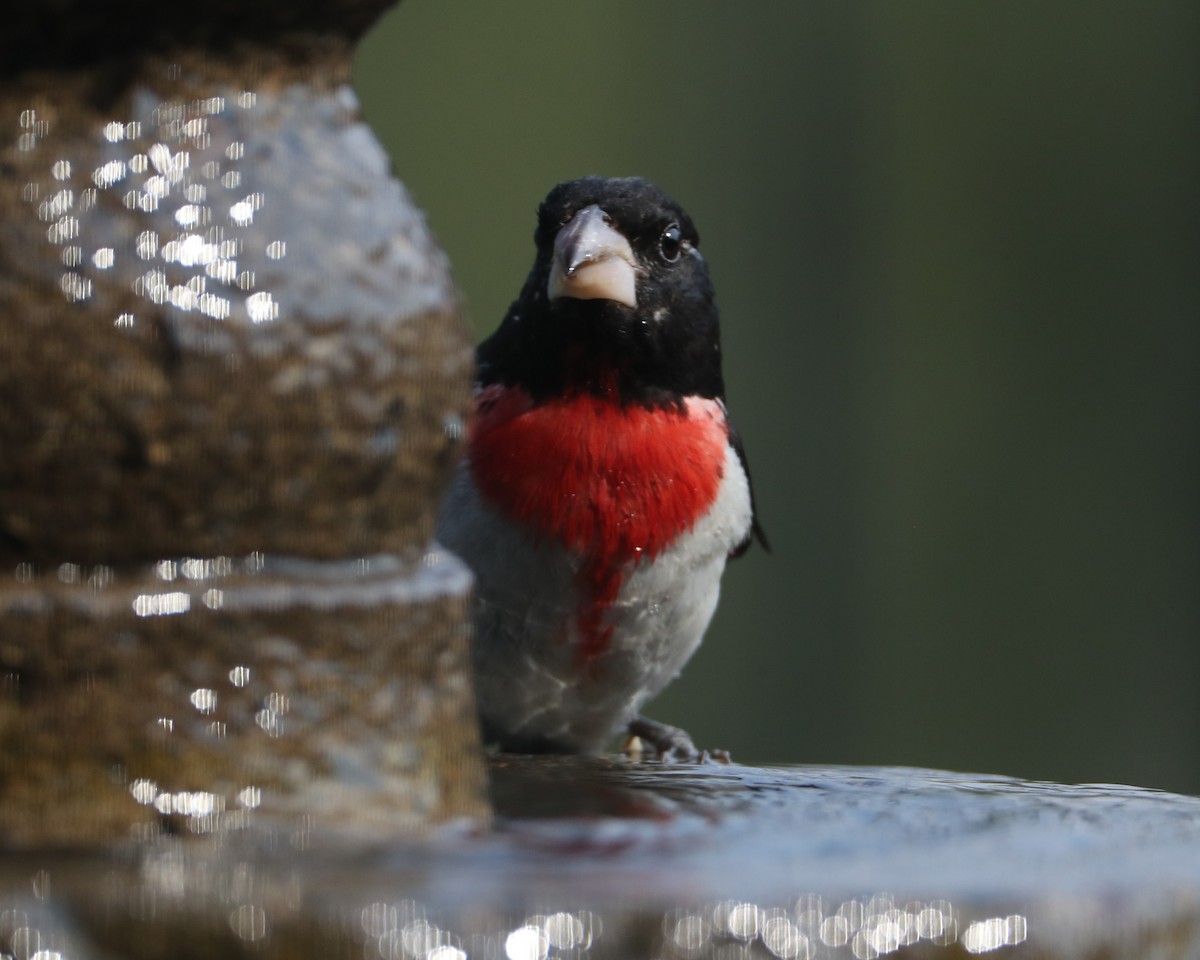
point(957, 252)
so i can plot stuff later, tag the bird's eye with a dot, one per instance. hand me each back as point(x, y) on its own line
point(670, 243)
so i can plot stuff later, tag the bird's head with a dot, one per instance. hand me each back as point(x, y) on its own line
point(619, 296)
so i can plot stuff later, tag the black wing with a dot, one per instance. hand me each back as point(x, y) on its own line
point(756, 531)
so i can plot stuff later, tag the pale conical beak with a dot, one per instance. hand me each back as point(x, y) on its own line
point(592, 261)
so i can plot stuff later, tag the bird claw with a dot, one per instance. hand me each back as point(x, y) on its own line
point(651, 740)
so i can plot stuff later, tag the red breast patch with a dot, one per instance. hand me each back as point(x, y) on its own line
point(615, 483)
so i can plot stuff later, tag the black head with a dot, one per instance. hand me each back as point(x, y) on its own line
point(619, 299)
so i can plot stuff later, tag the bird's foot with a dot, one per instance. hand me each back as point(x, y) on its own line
point(651, 740)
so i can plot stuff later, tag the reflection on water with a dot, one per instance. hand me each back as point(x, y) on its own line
point(406, 930)
point(851, 928)
point(854, 928)
point(715, 863)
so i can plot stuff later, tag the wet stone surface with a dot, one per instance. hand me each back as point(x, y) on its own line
point(603, 858)
point(226, 327)
point(233, 378)
point(250, 698)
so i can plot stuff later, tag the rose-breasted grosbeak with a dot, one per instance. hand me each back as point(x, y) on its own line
point(603, 487)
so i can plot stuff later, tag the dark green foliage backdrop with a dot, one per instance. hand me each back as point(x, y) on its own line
point(956, 249)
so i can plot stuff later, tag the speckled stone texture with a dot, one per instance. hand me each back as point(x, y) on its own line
point(226, 327)
point(317, 701)
point(233, 379)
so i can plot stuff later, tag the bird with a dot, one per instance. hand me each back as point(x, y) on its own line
point(602, 487)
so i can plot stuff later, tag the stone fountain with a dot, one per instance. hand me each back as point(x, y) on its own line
point(233, 381)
